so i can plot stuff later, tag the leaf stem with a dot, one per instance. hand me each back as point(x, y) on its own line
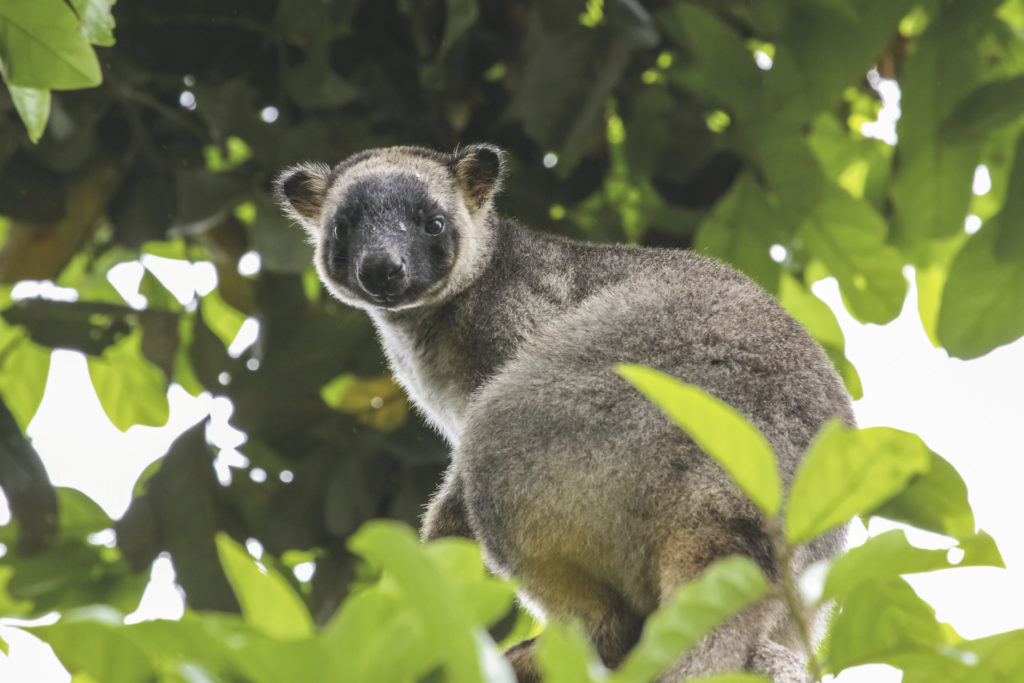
point(788, 593)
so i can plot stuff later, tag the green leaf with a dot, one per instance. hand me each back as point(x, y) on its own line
point(723, 72)
point(985, 108)
point(725, 588)
point(41, 47)
point(741, 229)
point(396, 649)
point(131, 389)
point(935, 500)
point(395, 548)
point(849, 237)
point(827, 45)
point(199, 647)
point(981, 303)
point(718, 429)
point(792, 171)
point(79, 514)
point(221, 317)
point(931, 189)
point(848, 472)
point(33, 105)
point(889, 555)
point(565, 655)
point(461, 562)
point(99, 649)
point(1009, 223)
point(883, 622)
point(96, 20)
point(24, 369)
point(268, 601)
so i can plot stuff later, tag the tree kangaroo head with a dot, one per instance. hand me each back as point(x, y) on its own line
point(398, 227)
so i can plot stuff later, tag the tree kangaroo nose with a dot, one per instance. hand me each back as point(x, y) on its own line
point(382, 273)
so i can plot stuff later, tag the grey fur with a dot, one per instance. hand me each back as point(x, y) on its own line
point(570, 479)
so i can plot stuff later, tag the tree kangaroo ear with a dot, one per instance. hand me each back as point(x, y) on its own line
point(301, 190)
point(479, 170)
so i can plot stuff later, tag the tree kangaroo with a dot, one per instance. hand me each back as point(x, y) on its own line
point(569, 478)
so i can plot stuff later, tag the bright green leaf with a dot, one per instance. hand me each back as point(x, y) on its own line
point(99, 649)
point(725, 588)
point(131, 389)
point(221, 317)
point(41, 47)
point(882, 622)
point(981, 303)
point(889, 555)
point(565, 655)
point(935, 500)
point(394, 650)
point(848, 472)
point(33, 105)
point(460, 561)
point(931, 269)
point(718, 429)
point(268, 601)
point(394, 548)
point(24, 369)
point(96, 20)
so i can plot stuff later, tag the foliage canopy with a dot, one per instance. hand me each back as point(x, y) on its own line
point(731, 127)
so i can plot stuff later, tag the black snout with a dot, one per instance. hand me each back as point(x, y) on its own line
point(382, 274)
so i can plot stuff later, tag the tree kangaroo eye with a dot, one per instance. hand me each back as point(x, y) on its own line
point(337, 230)
point(435, 225)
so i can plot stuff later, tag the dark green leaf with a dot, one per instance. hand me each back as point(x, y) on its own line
point(1009, 223)
point(741, 229)
point(981, 303)
point(563, 112)
point(985, 108)
point(932, 186)
point(723, 72)
point(832, 43)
